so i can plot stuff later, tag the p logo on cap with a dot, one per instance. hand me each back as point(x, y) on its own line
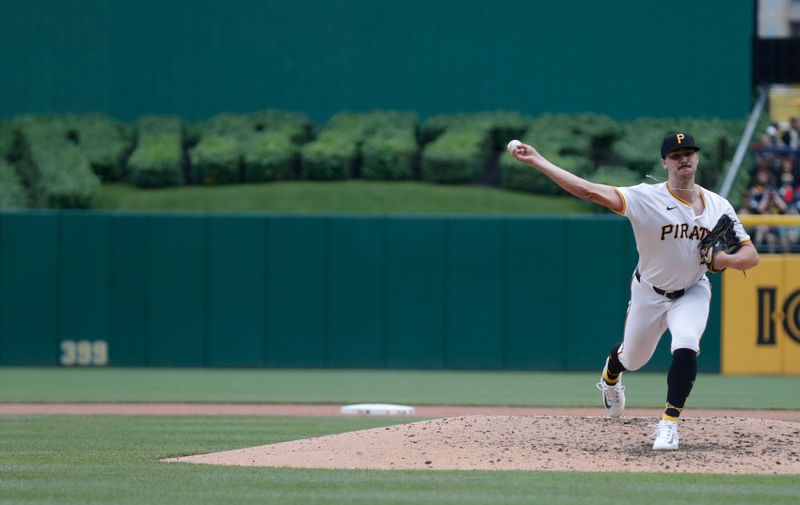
point(674, 140)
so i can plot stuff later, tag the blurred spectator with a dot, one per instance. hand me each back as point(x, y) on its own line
point(794, 133)
point(770, 137)
point(775, 186)
point(761, 198)
point(788, 135)
point(786, 182)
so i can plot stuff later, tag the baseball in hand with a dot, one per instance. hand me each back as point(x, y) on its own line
point(512, 146)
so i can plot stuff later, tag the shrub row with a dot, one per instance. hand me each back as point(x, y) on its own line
point(56, 170)
point(521, 177)
point(618, 153)
point(105, 143)
point(333, 155)
point(8, 133)
point(389, 145)
point(157, 160)
point(216, 160)
point(57, 156)
point(385, 157)
point(558, 138)
point(457, 156)
point(298, 127)
point(262, 157)
point(12, 193)
point(383, 144)
point(461, 144)
point(247, 148)
point(502, 126)
point(271, 156)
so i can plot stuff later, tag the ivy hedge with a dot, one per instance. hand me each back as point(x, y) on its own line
point(457, 156)
point(59, 161)
point(460, 145)
point(8, 134)
point(376, 145)
point(157, 160)
point(106, 143)
point(257, 147)
point(12, 193)
point(617, 153)
point(271, 156)
point(50, 161)
point(389, 157)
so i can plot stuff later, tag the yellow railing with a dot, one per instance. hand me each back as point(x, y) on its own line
point(770, 219)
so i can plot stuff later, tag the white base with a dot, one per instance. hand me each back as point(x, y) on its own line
point(377, 409)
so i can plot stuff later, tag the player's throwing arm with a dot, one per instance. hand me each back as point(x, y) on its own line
point(601, 194)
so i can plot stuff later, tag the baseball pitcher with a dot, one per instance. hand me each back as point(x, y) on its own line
point(682, 231)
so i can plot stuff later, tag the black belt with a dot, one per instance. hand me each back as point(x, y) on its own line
point(669, 294)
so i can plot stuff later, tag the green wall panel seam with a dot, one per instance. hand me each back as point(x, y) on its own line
point(266, 230)
point(109, 270)
point(59, 336)
point(565, 293)
point(445, 291)
point(206, 291)
point(326, 292)
point(504, 304)
point(147, 278)
point(385, 291)
point(111, 306)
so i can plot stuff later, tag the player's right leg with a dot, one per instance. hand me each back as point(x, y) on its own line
point(646, 322)
point(611, 384)
point(644, 326)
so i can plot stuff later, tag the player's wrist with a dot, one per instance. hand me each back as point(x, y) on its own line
point(720, 261)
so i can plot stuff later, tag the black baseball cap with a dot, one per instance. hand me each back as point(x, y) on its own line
point(677, 140)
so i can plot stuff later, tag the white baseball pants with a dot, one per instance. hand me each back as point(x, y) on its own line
point(650, 314)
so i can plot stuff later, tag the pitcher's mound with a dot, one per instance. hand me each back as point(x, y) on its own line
point(596, 444)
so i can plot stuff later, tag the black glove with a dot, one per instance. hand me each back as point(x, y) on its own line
point(721, 238)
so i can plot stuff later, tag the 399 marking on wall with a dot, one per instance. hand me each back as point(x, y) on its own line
point(767, 315)
point(84, 353)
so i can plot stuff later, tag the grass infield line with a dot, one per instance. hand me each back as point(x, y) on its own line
point(410, 387)
point(316, 410)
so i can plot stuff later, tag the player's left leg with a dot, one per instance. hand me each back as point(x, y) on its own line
point(686, 320)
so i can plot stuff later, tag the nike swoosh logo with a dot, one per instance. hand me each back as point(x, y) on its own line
point(671, 208)
point(606, 402)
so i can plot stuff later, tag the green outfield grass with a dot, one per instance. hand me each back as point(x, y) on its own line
point(114, 460)
point(352, 196)
point(354, 386)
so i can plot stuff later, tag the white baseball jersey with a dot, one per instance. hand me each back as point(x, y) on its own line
point(668, 232)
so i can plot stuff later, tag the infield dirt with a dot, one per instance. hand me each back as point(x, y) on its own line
point(571, 443)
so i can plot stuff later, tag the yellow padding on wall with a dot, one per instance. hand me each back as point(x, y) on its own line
point(761, 318)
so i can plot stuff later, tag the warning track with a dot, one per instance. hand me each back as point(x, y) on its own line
point(241, 409)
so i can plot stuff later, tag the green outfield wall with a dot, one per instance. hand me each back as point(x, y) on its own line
point(197, 58)
point(225, 290)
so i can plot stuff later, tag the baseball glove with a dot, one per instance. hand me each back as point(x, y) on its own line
point(721, 238)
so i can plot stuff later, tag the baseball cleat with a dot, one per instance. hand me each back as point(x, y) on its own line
point(666, 435)
point(613, 398)
point(613, 395)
